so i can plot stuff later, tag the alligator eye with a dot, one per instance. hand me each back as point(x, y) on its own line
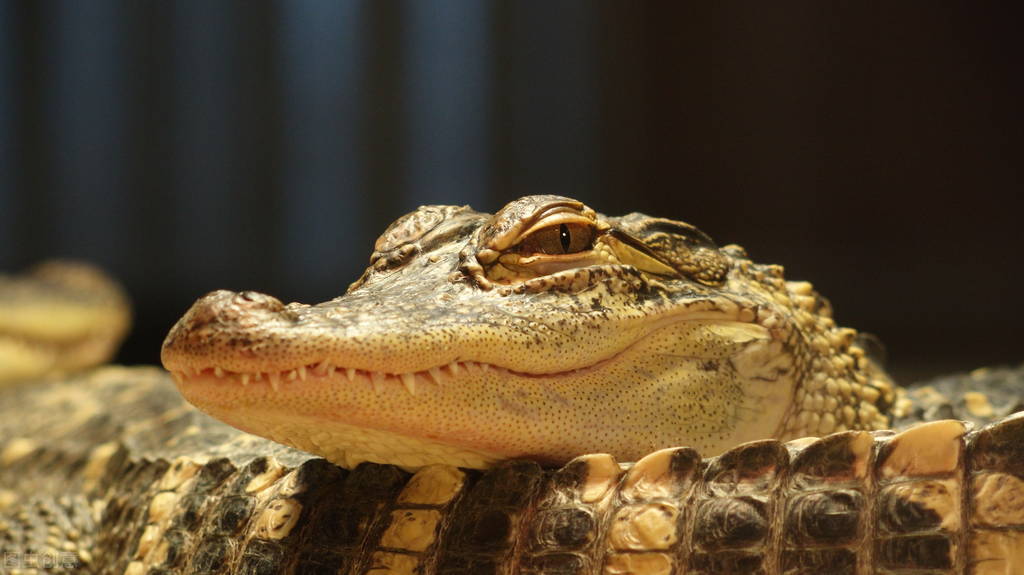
point(563, 238)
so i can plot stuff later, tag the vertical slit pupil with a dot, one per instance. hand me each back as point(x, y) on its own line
point(563, 235)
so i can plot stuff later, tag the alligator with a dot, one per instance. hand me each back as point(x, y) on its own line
point(524, 325)
point(542, 332)
point(59, 316)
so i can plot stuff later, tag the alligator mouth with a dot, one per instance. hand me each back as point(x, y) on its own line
point(380, 380)
point(324, 370)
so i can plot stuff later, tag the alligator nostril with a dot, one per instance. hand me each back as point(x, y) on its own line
point(256, 301)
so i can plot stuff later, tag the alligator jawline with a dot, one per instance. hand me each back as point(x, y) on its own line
point(436, 375)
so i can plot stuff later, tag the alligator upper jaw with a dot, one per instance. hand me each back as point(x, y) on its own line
point(258, 336)
point(395, 334)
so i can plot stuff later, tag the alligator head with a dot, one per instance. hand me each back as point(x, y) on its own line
point(544, 331)
point(59, 316)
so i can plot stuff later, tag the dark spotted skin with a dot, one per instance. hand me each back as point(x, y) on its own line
point(114, 473)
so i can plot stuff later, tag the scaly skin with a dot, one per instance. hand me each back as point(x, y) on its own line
point(544, 331)
point(60, 316)
point(113, 474)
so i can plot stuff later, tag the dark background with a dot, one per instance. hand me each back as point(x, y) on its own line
point(872, 148)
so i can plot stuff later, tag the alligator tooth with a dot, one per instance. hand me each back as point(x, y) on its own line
point(435, 374)
point(258, 376)
point(275, 380)
point(218, 372)
point(454, 367)
point(302, 372)
point(409, 381)
point(323, 368)
point(291, 375)
point(350, 373)
point(245, 379)
point(486, 367)
point(377, 378)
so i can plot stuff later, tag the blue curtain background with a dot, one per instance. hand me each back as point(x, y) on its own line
point(871, 148)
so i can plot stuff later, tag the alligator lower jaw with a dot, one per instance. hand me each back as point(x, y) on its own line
point(336, 412)
point(248, 402)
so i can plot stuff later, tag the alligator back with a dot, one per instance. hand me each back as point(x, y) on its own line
point(114, 473)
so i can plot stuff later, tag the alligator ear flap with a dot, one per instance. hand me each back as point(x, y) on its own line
point(631, 251)
point(667, 248)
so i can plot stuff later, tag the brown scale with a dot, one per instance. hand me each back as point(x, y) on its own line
point(565, 527)
point(826, 517)
point(731, 510)
point(648, 526)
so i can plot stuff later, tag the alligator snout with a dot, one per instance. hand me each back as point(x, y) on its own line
point(219, 317)
point(227, 308)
